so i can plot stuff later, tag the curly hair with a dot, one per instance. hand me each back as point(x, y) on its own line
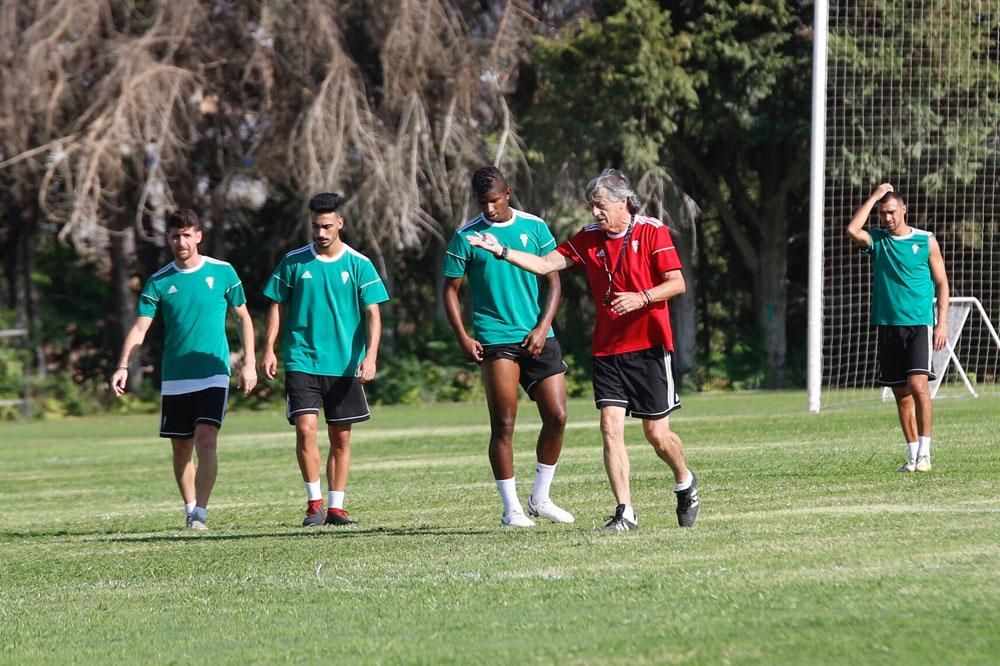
point(487, 179)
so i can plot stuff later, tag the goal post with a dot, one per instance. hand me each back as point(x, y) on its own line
point(946, 359)
point(904, 92)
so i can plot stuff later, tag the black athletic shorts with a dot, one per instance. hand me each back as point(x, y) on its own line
point(641, 381)
point(342, 398)
point(904, 351)
point(180, 413)
point(533, 370)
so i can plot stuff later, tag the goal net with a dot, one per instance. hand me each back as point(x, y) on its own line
point(913, 99)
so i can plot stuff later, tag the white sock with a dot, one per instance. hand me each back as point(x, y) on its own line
point(923, 446)
point(629, 513)
point(684, 485)
point(200, 513)
point(543, 482)
point(508, 495)
point(911, 449)
point(188, 507)
point(335, 499)
point(313, 490)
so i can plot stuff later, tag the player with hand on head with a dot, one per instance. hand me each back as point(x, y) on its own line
point(907, 271)
point(328, 289)
point(632, 268)
point(514, 342)
point(192, 294)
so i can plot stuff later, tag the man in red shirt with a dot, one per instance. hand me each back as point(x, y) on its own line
point(632, 268)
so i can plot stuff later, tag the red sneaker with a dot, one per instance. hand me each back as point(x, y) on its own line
point(314, 514)
point(338, 517)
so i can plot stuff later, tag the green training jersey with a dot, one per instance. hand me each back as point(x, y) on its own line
point(506, 301)
point(902, 287)
point(326, 297)
point(193, 303)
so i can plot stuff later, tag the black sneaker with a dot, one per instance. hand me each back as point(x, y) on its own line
point(619, 523)
point(687, 503)
point(338, 517)
point(315, 519)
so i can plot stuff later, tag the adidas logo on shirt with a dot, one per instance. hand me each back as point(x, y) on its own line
point(172, 290)
point(307, 275)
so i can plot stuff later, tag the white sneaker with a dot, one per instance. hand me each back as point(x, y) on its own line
point(516, 519)
point(923, 464)
point(549, 510)
point(195, 524)
point(910, 466)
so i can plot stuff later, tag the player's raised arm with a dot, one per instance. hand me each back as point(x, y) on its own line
point(856, 228)
point(540, 265)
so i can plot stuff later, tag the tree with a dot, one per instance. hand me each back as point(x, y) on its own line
point(608, 91)
point(744, 150)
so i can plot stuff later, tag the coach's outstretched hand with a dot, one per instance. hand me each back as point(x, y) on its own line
point(486, 241)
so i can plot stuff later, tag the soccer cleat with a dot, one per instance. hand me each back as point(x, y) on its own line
point(314, 514)
point(516, 519)
point(687, 503)
point(910, 466)
point(338, 517)
point(923, 464)
point(550, 511)
point(619, 523)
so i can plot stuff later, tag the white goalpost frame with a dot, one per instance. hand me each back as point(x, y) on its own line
point(840, 361)
point(817, 161)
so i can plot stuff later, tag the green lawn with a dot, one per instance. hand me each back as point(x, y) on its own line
point(810, 548)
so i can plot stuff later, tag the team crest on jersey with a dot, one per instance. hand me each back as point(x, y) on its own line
point(635, 246)
point(210, 281)
point(307, 275)
point(916, 248)
point(524, 240)
point(344, 276)
point(172, 290)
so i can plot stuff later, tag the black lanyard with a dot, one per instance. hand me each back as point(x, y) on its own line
point(621, 261)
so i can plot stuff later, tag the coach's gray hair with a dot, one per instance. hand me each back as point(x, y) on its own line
point(616, 187)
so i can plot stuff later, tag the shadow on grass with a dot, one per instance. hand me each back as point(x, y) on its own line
point(297, 533)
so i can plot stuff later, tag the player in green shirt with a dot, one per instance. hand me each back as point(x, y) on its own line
point(327, 288)
point(514, 342)
point(907, 271)
point(192, 294)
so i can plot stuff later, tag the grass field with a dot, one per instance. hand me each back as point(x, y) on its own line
point(809, 548)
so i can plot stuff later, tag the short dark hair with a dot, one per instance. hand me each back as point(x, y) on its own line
point(890, 196)
point(184, 218)
point(326, 202)
point(486, 179)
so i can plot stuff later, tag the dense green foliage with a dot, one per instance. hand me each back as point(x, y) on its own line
point(705, 104)
point(810, 548)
